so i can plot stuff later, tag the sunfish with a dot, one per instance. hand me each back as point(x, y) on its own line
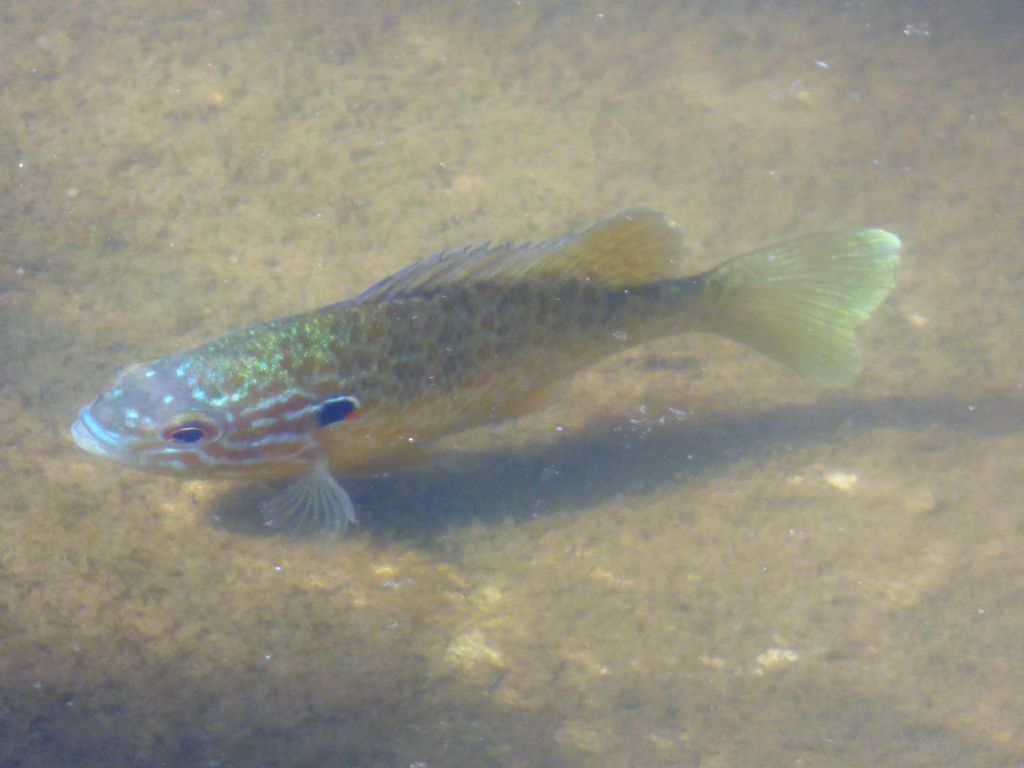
point(468, 337)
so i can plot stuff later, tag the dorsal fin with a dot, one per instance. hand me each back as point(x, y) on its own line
point(635, 247)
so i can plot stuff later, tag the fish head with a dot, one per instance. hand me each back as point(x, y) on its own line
point(157, 417)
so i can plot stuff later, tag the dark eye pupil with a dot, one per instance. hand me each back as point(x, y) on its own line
point(187, 433)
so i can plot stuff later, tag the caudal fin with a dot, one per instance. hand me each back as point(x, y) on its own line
point(801, 302)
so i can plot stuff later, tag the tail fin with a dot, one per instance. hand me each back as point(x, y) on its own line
point(801, 302)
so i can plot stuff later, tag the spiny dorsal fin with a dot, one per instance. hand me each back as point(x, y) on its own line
point(635, 247)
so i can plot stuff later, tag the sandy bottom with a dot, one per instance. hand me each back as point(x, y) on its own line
point(690, 558)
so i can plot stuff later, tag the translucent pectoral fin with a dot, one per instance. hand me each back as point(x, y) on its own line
point(314, 504)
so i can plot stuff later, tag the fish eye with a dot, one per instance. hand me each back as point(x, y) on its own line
point(191, 429)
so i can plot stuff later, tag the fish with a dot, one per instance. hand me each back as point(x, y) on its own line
point(465, 338)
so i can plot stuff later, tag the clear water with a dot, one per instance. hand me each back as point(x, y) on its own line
point(690, 558)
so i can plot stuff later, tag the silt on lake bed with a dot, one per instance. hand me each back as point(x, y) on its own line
point(469, 337)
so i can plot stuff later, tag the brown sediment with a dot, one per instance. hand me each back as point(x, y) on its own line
point(604, 582)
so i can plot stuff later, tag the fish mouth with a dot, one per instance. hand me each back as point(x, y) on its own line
point(89, 436)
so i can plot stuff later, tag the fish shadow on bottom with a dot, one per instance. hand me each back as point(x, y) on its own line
point(414, 504)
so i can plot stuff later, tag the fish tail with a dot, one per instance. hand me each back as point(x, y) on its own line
point(801, 302)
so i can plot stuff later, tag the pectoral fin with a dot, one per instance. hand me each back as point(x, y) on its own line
point(314, 504)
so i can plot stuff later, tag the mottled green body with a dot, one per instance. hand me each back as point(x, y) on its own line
point(431, 364)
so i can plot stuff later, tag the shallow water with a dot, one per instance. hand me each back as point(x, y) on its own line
point(689, 558)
